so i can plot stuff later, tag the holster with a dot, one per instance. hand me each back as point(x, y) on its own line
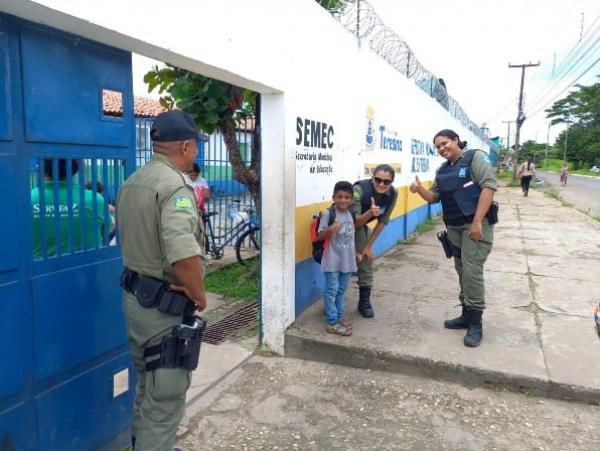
point(446, 244)
point(181, 349)
point(155, 293)
point(492, 214)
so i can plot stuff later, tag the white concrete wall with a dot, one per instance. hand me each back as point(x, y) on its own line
point(291, 47)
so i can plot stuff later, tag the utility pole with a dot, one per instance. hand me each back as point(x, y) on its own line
point(567, 136)
point(547, 144)
point(507, 139)
point(520, 115)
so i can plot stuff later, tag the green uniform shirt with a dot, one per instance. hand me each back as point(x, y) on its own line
point(91, 231)
point(482, 173)
point(356, 203)
point(158, 220)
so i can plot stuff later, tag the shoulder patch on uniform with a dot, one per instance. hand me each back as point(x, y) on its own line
point(183, 203)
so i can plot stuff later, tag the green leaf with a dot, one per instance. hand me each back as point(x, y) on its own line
point(210, 104)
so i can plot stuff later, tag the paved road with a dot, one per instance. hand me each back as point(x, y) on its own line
point(286, 404)
point(582, 192)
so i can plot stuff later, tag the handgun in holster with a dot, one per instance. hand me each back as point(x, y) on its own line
point(181, 349)
point(446, 244)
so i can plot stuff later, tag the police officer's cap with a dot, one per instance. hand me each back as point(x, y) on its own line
point(174, 125)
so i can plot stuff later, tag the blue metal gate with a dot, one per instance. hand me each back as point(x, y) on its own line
point(66, 377)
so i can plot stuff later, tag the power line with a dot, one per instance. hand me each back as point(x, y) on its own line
point(566, 67)
point(567, 87)
point(569, 71)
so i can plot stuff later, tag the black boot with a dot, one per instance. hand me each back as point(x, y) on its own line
point(474, 328)
point(364, 302)
point(458, 323)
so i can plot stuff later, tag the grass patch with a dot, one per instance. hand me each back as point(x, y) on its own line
point(234, 281)
point(596, 218)
point(514, 184)
point(426, 226)
point(552, 193)
point(504, 175)
point(429, 224)
point(555, 165)
point(410, 240)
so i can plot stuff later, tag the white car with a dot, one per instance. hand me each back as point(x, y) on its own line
point(595, 169)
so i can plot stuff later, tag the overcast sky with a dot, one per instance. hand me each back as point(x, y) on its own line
point(469, 43)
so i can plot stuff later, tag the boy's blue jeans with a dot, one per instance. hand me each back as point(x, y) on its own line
point(333, 297)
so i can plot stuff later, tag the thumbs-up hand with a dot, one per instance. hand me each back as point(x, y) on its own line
point(375, 211)
point(335, 227)
point(414, 186)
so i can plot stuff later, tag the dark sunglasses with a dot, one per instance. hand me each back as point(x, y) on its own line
point(381, 181)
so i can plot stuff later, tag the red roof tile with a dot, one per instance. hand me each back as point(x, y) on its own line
point(142, 106)
point(146, 107)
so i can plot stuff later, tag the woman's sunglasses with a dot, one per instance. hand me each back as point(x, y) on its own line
point(381, 181)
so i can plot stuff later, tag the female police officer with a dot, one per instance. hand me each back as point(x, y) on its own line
point(465, 184)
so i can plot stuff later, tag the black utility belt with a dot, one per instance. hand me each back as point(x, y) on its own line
point(156, 293)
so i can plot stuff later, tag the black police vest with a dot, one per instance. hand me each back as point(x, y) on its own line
point(383, 202)
point(459, 193)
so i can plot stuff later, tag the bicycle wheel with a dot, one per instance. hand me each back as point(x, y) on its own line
point(247, 247)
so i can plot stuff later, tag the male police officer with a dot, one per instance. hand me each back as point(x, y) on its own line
point(374, 199)
point(160, 238)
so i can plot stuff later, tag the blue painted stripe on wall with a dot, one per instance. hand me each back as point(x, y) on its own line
point(416, 217)
point(309, 284)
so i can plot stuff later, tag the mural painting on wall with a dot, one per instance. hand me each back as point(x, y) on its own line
point(315, 140)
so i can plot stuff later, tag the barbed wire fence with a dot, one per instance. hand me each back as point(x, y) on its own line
point(359, 18)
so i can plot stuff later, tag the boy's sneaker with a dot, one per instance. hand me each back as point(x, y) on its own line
point(344, 322)
point(338, 329)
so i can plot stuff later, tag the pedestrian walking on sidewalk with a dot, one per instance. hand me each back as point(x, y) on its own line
point(465, 184)
point(336, 230)
point(526, 173)
point(161, 232)
point(374, 200)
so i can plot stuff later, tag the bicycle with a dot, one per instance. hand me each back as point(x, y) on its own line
point(246, 232)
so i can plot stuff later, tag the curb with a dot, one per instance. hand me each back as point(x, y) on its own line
point(355, 357)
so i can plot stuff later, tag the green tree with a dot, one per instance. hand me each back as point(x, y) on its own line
point(214, 105)
point(580, 110)
point(532, 149)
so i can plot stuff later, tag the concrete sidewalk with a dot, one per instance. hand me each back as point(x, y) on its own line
point(542, 282)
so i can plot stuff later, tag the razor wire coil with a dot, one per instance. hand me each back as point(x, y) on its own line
point(359, 18)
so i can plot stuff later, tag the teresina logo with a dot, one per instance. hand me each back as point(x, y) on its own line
point(370, 136)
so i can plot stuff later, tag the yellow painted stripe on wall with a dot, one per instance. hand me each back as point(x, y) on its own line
point(406, 202)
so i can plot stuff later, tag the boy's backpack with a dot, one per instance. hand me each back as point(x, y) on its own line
point(318, 246)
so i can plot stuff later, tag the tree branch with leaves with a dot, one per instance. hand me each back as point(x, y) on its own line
point(215, 106)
